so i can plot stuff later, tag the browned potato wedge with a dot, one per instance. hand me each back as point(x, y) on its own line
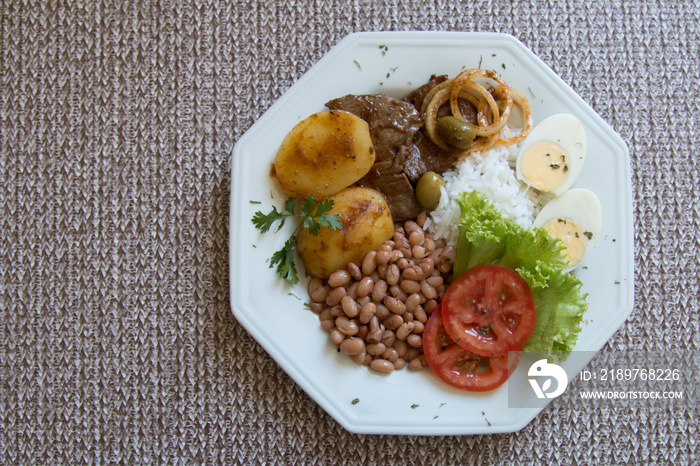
point(366, 225)
point(323, 154)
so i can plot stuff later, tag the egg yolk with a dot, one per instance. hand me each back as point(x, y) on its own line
point(544, 165)
point(571, 235)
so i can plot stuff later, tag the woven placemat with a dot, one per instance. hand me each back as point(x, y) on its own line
point(117, 342)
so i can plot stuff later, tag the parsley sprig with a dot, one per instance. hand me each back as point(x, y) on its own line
point(314, 216)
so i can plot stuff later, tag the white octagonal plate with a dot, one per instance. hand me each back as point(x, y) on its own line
point(274, 313)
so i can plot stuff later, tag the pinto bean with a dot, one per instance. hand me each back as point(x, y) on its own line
point(390, 354)
point(411, 287)
point(374, 336)
point(367, 312)
point(383, 257)
point(317, 307)
point(327, 325)
point(382, 312)
point(335, 295)
point(369, 263)
point(365, 287)
point(401, 347)
point(347, 326)
point(415, 364)
point(318, 293)
point(435, 281)
point(349, 306)
point(398, 293)
point(416, 237)
point(376, 332)
point(337, 336)
point(450, 253)
point(444, 267)
point(352, 345)
point(388, 338)
point(401, 241)
point(363, 300)
point(393, 274)
point(395, 305)
point(352, 289)
point(355, 271)
point(428, 290)
point(412, 353)
point(430, 305)
point(418, 252)
point(420, 315)
point(381, 270)
point(376, 349)
point(422, 217)
point(412, 302)
point(436, 255)
point(339, 278)
point(404, 330)
point(325, 314)
point(362, 358)
point(410, 226)
point(382, 365)
point(412, 273)
point(393, 322)
point(427, 266)
point(379, 291)
point(374, 324)
point(415, 340)
point(362, 332)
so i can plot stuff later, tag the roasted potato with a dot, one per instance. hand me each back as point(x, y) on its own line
point(324, 154)
point(366, 225)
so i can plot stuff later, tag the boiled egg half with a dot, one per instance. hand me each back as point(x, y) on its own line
point(574, 218)
point(552, 155)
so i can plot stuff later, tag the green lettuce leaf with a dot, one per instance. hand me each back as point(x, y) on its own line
point(486, 237)
point(560, 307)
point(481, 232)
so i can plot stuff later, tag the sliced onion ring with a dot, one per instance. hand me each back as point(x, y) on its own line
point(485, 102)
point(468, 76)
point(431, 93)
point(521, 101)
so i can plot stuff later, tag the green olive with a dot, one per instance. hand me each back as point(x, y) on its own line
point(455, 133)
point(428, 190)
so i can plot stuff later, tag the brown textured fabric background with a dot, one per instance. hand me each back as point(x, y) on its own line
point(117, 342)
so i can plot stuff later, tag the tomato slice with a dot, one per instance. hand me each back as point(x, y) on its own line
point(461, 368)
point(489, 310)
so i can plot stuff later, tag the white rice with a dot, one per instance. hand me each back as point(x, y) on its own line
point(492, 174)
